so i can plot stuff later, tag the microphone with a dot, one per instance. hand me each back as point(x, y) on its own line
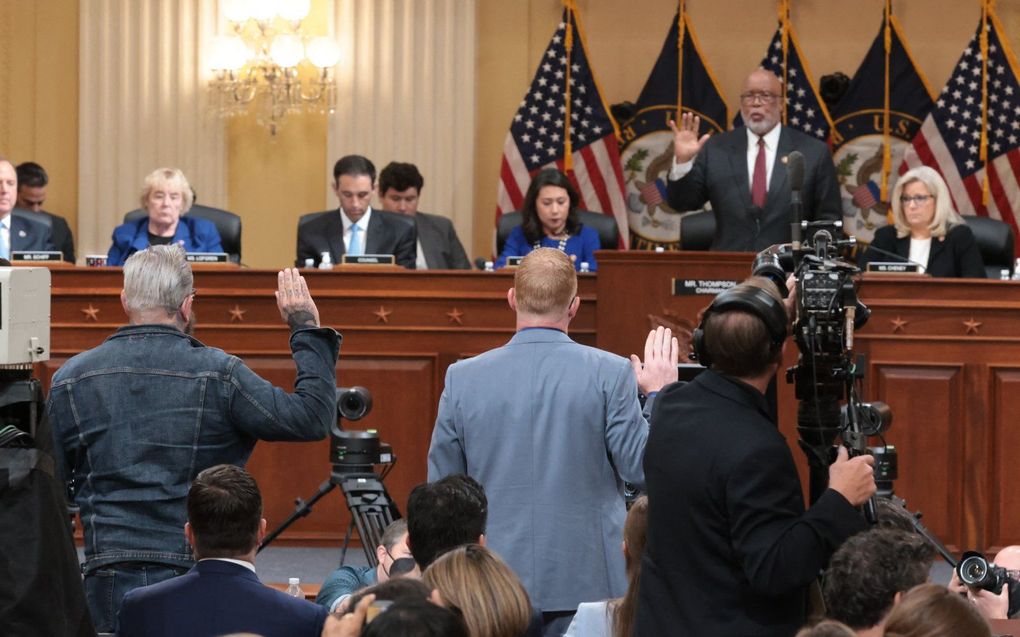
point(795, 166)
point(755, 214)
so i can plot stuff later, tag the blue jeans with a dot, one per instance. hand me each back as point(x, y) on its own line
point(105, 588)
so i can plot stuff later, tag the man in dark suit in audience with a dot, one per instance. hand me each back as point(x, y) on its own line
point(438, 246)
point(32, 182)
point(221, 594)
point(445, 514)
point(18, 232)
point(744, 175)
point(356, 228)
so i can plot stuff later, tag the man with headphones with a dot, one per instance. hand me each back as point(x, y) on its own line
point(731, 549)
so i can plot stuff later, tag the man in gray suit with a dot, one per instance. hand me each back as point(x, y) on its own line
point(552, 429)
point(438, 247)
point(18, 231)
point(743, 172)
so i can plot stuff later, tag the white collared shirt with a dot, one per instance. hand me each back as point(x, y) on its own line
point(678, 171)
point(362, 229)
point(248, 565)
point(5, 236)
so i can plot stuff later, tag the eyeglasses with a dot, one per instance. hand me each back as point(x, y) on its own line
point(756, 97)
point(916, 199)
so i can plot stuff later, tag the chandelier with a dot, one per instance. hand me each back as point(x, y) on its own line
point(258, 64)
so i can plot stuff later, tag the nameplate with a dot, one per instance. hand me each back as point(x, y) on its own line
point(892, 267)
point(701, 287)
point(513, 262)
point(206, 257)
point(368, 259)
point(36, 255)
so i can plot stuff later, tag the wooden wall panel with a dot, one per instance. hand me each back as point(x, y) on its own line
point(1000, 464)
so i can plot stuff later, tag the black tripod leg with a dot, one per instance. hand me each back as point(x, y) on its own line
point(303, 508)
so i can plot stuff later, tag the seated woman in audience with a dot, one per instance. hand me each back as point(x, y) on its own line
point(616, 616)
point(549, 219)
point(472, 580)
point(926, 229)
point(932, 610)
point(166, 195)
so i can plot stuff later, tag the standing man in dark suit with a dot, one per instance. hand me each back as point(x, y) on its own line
point(18, 232)
point(730, 548)
point(743, 172)
point(32, 182)
point(355, 227)
point(221, 594)
point(438, 247)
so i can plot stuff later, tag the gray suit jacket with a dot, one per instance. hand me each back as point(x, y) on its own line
point(719, 175)
point(439, 243)
point(29, 233)
point(551, 429)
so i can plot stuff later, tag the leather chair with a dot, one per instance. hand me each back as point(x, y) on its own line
point(995, 241)
point(697, 229)
point(227, 224)
point(605, 225)
point(32, 217)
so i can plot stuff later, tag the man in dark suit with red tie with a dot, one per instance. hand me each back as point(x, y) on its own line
point(743, 172)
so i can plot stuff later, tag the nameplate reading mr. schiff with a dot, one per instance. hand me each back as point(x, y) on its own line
point(36, 255)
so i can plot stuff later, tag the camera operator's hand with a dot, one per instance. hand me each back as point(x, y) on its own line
point(790, 300)
point(853, 478)
point(662, 352)
point(295, 301)
point(686, 143)
point(349, 625)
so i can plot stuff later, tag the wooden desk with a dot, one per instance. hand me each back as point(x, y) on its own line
point(401, 330)
point(943, 353)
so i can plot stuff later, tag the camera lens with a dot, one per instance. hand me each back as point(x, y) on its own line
point(973, 570)
point(353, 403)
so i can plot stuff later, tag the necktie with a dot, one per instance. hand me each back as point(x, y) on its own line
point(758, 185)
point(5, 241)
point(354, 249)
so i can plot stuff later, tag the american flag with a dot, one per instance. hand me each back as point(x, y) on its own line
point(950, 137)
point(538, 132)
point(805, 110)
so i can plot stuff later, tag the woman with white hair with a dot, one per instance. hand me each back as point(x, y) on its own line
point(166, 195)
point(927, 230)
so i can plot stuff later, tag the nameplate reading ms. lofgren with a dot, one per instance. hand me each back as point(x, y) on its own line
point(706, 287)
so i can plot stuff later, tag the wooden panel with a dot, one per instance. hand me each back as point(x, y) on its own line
point(1004, 504)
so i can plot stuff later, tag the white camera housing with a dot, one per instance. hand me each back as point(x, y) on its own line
point(24, 315)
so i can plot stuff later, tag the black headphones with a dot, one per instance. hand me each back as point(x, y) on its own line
point(749, 299)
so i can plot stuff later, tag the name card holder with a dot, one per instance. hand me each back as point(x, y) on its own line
point(701, 287)
point(368, 259)
point(892, 267)
point(513, 262)
point(206, 257)
point(35, 256)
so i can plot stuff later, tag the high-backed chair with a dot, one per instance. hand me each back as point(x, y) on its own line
point(605, 225)
point(227, 224)
point(697, 229)
point(995, 241)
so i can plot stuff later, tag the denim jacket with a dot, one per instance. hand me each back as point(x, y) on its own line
point(137, 418)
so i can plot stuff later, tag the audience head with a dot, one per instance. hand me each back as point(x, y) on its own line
point(737, 341)
point(32, 181)
point(353, 183)
point(635, 531)
point(414, 618)
point(929, 211)
point(159, 287)
point(166, 195)
point(445, 514)
point(931, 610)
point(870, 571)
point(761, 101)
point(827, 628)
point(550, 206)
point(393, 553)
point(483, 588)
point(400, 186)
point(8, 187)
point(545, 288)
point(398, 589)
point(224, 513)
point(892, 514)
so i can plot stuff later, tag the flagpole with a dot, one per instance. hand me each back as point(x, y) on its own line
point(784, 21)
point(681, 32)
point(986, 6)
point(886, 145)
point(568, 154)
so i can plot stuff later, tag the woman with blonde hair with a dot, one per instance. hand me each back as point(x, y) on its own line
point(926, 229)
point(473, 581)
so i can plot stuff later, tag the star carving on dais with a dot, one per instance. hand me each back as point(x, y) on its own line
point(972, 325)
point(91, 313)
point(236, 314)
point(899, 325)
point(455, 316)
point(383, 314)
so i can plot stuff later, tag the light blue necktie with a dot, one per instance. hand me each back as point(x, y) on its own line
point(355, 243)
point(5, 241)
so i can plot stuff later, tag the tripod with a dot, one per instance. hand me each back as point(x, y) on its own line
point(370, 505)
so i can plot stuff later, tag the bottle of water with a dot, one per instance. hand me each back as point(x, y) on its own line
point(309, 263)
point(490, 266)
point(585, 267)
point(325, 261)
point(1004, 274)
point(294, 588)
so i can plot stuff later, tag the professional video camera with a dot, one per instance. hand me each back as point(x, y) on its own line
point(828, 311)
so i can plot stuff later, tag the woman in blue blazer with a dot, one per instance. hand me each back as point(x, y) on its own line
point(549, 219)
point(166, 195)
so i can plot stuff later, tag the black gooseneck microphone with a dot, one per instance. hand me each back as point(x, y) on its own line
point(795, 166)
